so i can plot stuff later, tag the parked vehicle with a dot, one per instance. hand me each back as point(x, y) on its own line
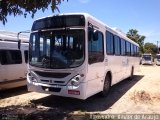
point(13, 61)
point(76, 55)
point(147, 59)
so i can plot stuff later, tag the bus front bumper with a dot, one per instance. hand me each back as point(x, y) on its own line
point(147, 63)
point(59, 90)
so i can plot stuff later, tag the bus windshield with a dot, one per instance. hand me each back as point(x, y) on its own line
point(57, 49)
point(147, 57)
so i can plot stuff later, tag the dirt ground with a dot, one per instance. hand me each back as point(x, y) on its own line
point(138, 96)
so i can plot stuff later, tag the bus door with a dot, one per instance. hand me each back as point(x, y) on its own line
point(96, 62)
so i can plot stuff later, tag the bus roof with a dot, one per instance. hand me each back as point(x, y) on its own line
point(112, 30)
point(12, 36)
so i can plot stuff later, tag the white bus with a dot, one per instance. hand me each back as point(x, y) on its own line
point(76, 55)
point(13, 62)
point(147, 59)
point(158, 59)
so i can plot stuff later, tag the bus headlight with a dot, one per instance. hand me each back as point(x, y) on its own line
point(75, 81)
point(32, 77)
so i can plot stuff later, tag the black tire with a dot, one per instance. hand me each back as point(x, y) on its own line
point(106, 86)
point(132, 72)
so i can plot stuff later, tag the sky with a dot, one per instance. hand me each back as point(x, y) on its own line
point(142, 15)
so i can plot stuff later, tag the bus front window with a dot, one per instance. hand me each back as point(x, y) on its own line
point(57, 49)
point(146, 57)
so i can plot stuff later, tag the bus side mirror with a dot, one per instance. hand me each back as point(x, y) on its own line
point(92, 34)
point(19, 44)
point(95, 35)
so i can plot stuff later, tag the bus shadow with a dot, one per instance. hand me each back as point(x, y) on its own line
point(13, 92)
point(92, 104)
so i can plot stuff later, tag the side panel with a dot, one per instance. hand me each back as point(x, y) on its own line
point(12, 72)
point(136, 65)
point(95, 78)
point(116, 67)
point(12, 75)
point(128, 66)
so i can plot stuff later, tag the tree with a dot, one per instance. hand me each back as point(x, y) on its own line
point(24, 7)
point(133, 35)
point(150, 48)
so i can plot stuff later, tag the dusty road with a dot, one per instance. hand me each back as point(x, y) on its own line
point(140, 95)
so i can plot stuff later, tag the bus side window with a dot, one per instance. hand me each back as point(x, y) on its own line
point(95, 47)
point(4, 59)
point(123, 47)
point(110, 43)
point(128, 48)
point(11, 57)
point(26, 56)
point(132, 50)
point(117, 45)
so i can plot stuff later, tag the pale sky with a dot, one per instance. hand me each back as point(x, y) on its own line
point(142, 15)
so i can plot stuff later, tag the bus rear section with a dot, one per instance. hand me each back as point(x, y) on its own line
point(13, 63)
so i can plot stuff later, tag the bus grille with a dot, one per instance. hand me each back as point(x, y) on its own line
point(51, 89)
point(52, 75)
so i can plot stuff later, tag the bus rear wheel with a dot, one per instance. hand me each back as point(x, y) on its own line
point(106, 86)
point(132, 73)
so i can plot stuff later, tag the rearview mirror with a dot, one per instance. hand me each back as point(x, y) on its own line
point(92, 34)
point(19, 44)
point(95, 35)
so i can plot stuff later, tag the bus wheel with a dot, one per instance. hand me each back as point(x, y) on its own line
point(132, 72)
point(106, 86)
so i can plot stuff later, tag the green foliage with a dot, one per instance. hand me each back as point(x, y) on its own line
point(150, 48)
point(25, 7)
point(133, 35)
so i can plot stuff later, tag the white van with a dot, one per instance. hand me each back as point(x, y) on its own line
point(147, 59)
point(13, 62)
